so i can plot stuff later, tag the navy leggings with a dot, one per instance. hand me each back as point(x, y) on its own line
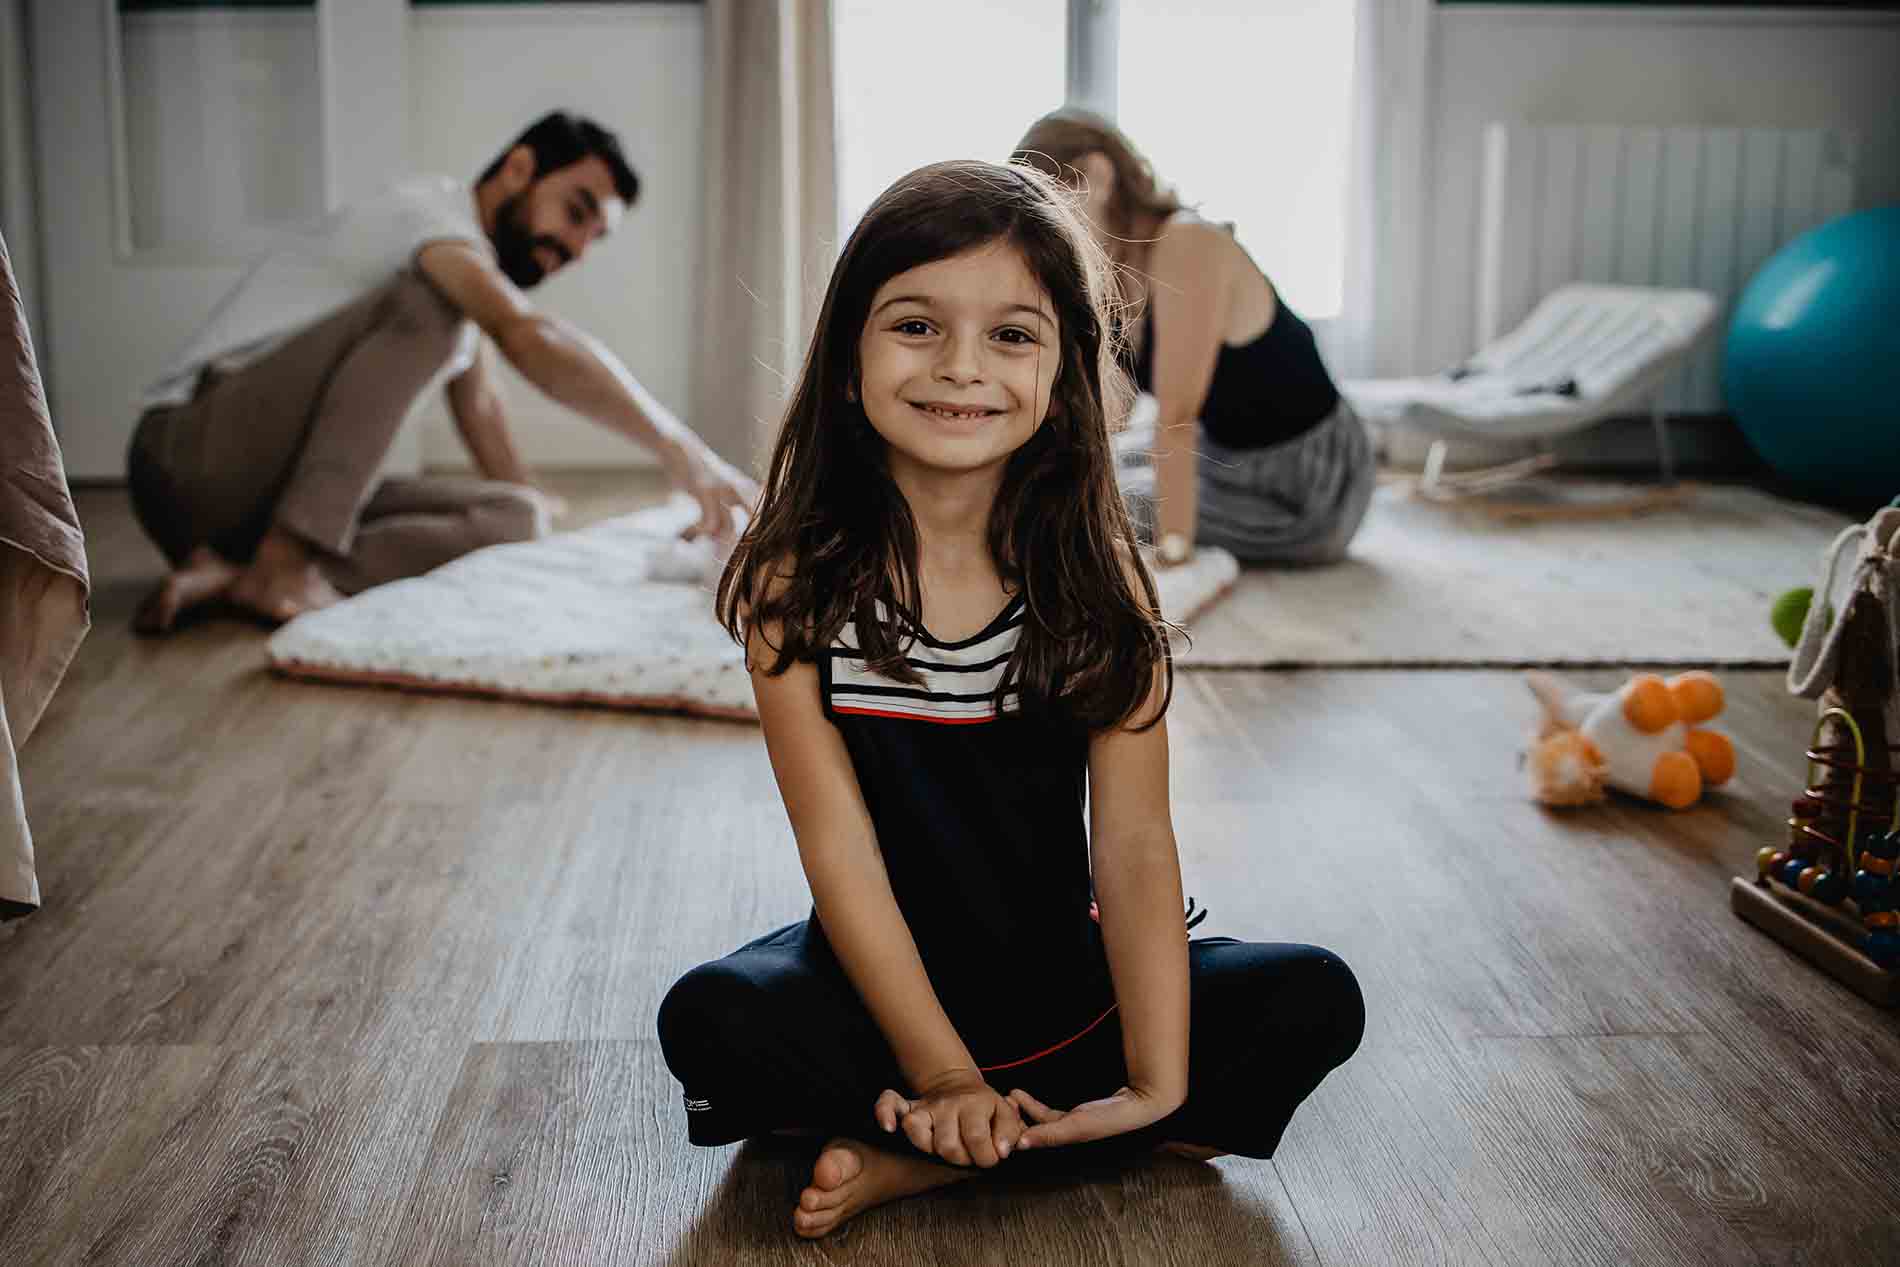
point(774, 1037)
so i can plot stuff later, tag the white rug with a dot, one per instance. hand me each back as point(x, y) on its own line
point(1431, 585)
point(618, 615)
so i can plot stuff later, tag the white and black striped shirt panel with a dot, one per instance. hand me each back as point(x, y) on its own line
point(959, 680)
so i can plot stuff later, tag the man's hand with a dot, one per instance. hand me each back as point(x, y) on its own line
point(959, 1118)
point(1127, 1110)
point(718, 487)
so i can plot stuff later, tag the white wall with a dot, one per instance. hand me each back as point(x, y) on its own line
point(110, 321)
point(223, 124)
point(1787, 68)
point(477, 76)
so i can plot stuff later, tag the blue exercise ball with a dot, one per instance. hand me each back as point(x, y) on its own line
point(1811, 368)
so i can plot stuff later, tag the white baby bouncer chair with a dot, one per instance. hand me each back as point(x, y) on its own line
point(1586, 353)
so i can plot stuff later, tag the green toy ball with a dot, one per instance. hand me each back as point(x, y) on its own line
point(1790, 612)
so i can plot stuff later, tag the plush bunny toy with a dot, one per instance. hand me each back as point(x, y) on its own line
point(1644, 739)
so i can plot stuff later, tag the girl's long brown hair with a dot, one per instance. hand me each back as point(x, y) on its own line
point(834, 538)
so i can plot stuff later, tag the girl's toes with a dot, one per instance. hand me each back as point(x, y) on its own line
point(836, 1167)
point(809, 1223)
point(819, 1200)
point(822, 1198)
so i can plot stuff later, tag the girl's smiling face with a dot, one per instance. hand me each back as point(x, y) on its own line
point(958, 360)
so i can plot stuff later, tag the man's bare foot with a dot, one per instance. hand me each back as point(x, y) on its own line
point(850, 1177)
point(204, 577)
point(282, 581)
point(1193, 1152)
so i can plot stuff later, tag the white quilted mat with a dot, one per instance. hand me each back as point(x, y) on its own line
point(618, 615)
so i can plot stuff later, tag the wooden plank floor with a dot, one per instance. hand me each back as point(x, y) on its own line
point(329, 975)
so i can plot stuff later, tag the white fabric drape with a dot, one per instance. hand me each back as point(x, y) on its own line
point(771, 213)
point(1377, 333)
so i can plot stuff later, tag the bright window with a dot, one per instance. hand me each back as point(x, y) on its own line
point(919, 82)
point(1244, 106)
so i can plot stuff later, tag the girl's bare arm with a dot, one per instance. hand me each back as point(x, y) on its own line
point(1138, 886)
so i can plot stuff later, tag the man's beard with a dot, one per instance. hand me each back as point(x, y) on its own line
point(514, 246)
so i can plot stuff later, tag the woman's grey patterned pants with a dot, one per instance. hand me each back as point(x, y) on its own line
point(1296, 503)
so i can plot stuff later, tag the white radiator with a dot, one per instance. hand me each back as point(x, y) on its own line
point(1677, 206)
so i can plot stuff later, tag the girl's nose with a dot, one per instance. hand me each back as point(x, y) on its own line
point(959, 362)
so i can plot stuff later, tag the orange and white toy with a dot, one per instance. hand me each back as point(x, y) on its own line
point(1645, 738)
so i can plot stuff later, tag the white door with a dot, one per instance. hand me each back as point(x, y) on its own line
point(172, 137)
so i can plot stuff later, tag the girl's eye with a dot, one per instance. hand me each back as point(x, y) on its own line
point(912, 325)
point(575, 214)
point(1020, 335)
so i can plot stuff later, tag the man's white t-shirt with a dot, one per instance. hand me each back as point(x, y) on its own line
point(312, 274)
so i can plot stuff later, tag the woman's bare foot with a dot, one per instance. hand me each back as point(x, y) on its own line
point(282, 581)
point(850, 1177)
point(204, 577)
point(1193, 1152)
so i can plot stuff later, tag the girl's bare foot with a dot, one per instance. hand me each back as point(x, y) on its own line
point(850, 1177)
point(204, 577)
point(282, 581)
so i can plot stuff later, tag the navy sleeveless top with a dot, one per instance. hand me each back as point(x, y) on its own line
point(1263, 393)
point(978, 808)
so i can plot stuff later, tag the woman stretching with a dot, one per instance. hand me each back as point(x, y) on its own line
point(1278, 469)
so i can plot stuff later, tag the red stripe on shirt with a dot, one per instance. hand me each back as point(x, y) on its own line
point(940, 721)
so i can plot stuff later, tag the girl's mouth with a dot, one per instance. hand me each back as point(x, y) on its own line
point(955, 413)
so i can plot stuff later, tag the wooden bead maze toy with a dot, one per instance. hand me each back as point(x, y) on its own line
point(1831, 893)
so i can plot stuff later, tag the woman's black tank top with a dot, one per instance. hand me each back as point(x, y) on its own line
point(1264, 392)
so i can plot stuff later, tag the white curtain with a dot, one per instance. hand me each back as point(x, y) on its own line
point(1377, 333)
point(771, 213)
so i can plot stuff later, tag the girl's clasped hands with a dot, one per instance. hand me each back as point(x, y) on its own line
point(961, 1119)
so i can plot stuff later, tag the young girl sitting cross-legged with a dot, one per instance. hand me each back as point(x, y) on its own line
point(962, 677)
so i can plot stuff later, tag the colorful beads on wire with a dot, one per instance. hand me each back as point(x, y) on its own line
point(1837, 833)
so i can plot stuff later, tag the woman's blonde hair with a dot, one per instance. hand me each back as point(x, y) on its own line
point(1057, 143)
